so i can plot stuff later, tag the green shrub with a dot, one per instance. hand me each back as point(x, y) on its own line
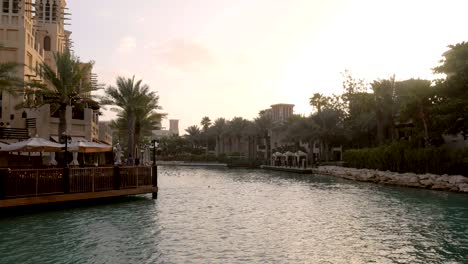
point(400, 157)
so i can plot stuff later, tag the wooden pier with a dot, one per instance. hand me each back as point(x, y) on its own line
point(20, 187)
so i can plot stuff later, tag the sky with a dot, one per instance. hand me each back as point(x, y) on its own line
point(225, 58)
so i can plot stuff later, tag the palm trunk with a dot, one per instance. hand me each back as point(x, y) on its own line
point(137, 138)
point(131, 134)
point(424, 121)
point(380, 128)
point(62, 127)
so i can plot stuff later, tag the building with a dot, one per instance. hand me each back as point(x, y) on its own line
point(172, 131)
point(31, 32)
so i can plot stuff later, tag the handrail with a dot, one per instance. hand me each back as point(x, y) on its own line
point(16, 183)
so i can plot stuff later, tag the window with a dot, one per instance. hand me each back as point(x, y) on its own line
point(54, 11)
point(47, 11)
point(47, 43)
point(6, 6)
point(40, 10)
point(15, 6)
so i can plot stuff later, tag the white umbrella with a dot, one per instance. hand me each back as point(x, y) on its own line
point(289, 154)
point(35, 144)
point(88, 147)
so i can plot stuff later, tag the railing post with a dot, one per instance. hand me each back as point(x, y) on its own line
point(116, 178)
point(4, 173)
point(66, 180)
point(154, 179)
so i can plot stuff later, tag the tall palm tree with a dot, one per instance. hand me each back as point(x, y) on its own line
point(205, 123)
point(130, 96)
point(264, 124)
point(219, 129)
point(384, 104)
point(65, 85)
point(237, 129)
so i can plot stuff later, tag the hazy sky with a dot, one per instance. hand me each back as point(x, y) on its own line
point(226, 58)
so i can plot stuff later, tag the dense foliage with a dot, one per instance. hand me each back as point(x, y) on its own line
point(387, 124)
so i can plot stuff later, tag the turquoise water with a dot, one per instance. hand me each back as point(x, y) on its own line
point(247, 216)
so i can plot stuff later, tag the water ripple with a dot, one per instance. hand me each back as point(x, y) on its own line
point(244, 216)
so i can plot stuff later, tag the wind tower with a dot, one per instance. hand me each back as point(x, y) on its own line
point(50, 17)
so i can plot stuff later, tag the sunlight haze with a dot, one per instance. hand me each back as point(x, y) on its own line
point(222, 58)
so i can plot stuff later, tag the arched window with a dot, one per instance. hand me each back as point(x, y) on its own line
point(47, 43)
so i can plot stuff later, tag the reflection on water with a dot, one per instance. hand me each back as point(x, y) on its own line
point(248, 216)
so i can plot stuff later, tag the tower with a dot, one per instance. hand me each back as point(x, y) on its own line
point(174, 126)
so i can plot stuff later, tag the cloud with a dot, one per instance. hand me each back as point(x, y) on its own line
point(127, 44)
point(184, 55)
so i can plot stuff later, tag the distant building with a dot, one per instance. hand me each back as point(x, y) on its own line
point(173, 130)
point(174, 126)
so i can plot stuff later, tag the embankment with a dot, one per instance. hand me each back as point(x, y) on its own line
point(454, 183)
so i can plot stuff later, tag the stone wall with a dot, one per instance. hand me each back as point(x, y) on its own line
point(454, 183)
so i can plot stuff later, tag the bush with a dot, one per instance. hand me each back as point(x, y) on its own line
point(400, 157)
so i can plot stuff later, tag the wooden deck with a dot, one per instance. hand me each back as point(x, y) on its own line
point(288, 169)
point(21, 187)
point(73, 197)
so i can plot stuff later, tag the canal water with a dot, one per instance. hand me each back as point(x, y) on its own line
point(247, 216)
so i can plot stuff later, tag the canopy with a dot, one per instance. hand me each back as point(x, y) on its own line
point(289, 153)
point(35, 144)
point(301, 154)
point(278, 154)
point(88, 147)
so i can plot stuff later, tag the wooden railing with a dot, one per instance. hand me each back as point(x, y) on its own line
point(30, 182)
point(38, 182)
point(133, 177)
point(91, 179)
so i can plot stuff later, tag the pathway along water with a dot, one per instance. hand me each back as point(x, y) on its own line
point(248, 216)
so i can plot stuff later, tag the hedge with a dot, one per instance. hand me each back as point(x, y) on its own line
point(399, 157)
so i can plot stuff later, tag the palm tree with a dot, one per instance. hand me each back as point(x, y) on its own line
point(417, 95)
point(64, 86)
point(8, 80)
point(219, 129)
point(237, 128)
point(130, 97)
point(205, 123)
point(383, 96)
point(193, 135)
point(264, 124)
point(319, 101)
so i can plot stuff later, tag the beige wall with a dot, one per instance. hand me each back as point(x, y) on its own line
point(23, 40)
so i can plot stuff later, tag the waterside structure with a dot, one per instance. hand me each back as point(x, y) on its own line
point(23, 187)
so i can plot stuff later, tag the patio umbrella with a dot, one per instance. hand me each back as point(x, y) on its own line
point(88, 147)
point(301, 154)
point(35, 144)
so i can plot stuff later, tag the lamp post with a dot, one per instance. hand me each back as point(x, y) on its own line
point(154, 168)
point(155, 144)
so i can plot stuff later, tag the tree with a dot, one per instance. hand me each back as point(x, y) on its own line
point(384, 108)
point(193, 135)
point(237, 129)
point(263, 125)
point(8, 79)
point(416, 104)
point(205, 123)
point(452, 92)
point(135, 102)
point(318, 101)
point(64, 86)
point(219, 129)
